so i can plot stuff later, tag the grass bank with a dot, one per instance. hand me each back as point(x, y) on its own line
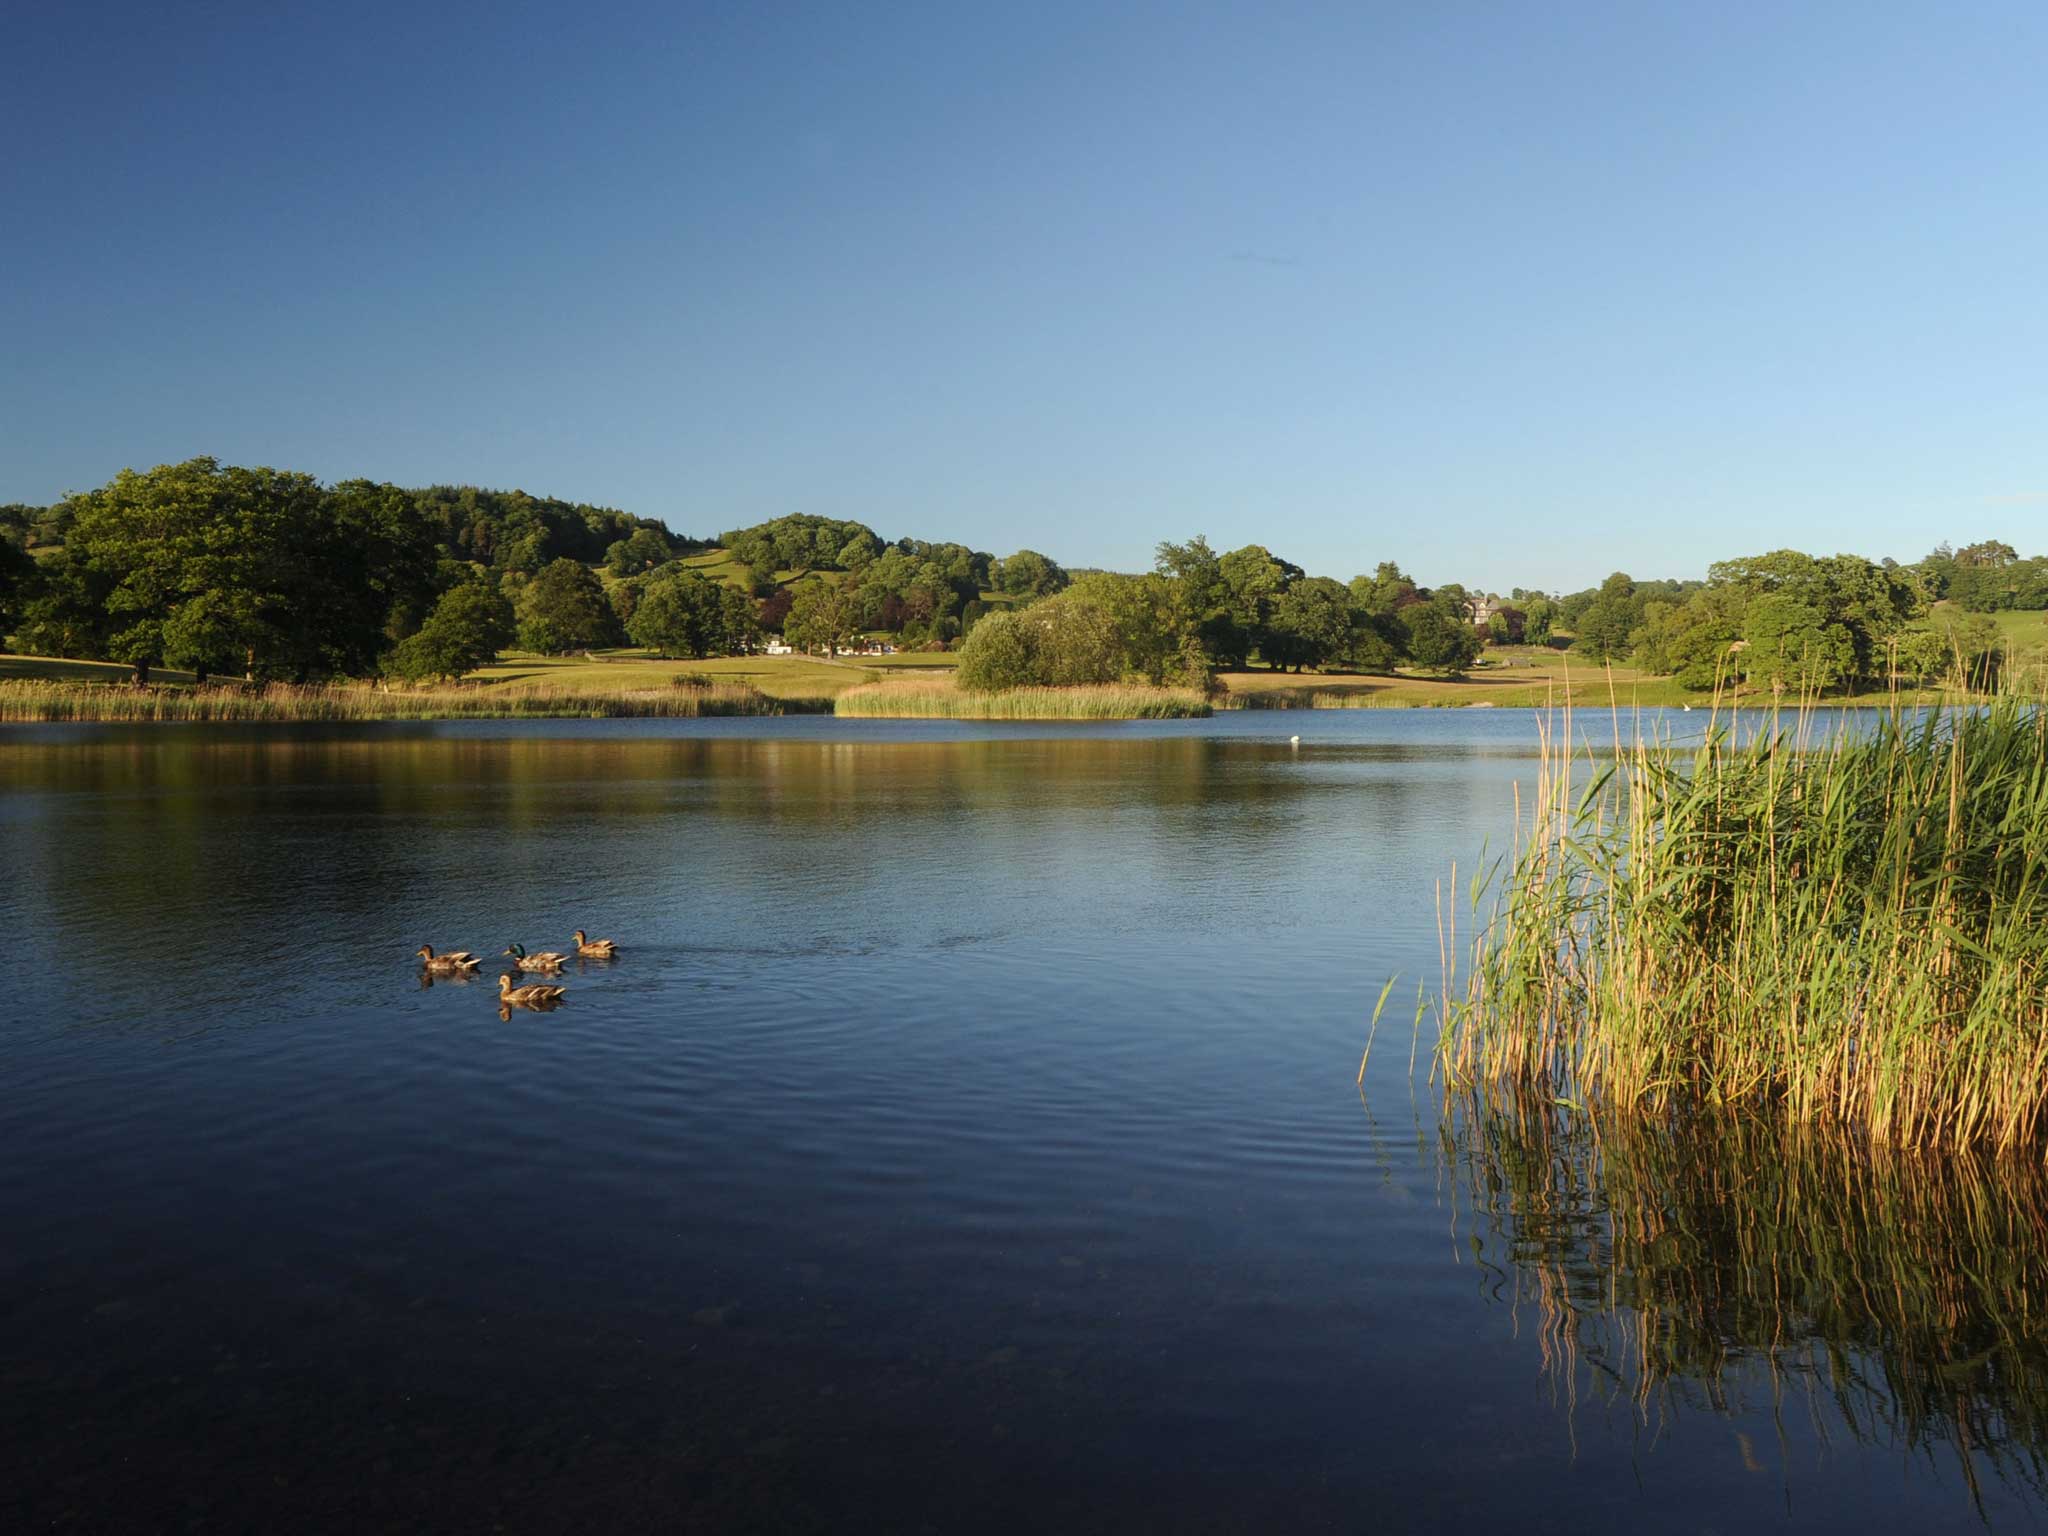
point(1848, 926)
point(935, 699)
point(280, 703)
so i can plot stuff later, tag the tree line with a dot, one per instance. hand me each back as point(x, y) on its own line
point(1790, 620)
point(262, 573)
point(1197, 612)
point(269, 574)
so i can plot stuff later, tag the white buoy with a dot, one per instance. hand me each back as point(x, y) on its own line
point(1294, 741)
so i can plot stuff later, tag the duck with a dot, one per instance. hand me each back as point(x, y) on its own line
point(594, 949)
point(528, 996)
point(546, 960)
point(454, 961)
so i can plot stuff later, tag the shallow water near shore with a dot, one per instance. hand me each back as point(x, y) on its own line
point(965, 1138)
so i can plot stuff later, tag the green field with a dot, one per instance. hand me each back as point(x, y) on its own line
point(49, 669)
point(1505, 677)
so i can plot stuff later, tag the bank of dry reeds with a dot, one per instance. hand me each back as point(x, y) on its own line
point(284, 703)
point(1847, 926)
point(924, 699)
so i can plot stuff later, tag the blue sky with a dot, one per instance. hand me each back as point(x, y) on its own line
point(1514, 294)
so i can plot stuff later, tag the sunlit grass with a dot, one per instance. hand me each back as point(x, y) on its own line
point(776, 676)
point(283, 703)
point(932, 699)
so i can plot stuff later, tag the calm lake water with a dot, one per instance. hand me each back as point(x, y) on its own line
point(965, 1139)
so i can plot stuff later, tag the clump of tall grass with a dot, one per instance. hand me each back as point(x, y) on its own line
point(925, 699)
point(1732, 1260)
point(284, 703)
point(1848, 928)
point(1326, 696)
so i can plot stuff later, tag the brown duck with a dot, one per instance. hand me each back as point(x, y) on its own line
point(528, 996)
point(455, 961)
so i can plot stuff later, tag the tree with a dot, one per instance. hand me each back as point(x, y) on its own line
point(642, 550)
point(774, 609)
point(1384, 592)
point(468, 627)
point(1062, 642)
point(1439, 639)
point(18, 583)
point(1074, 642)
point(564, 609)
point(1862, 604)
point(1028, 574)
point(821, 617)
point(216, 567)
point(1310, 623)
point(682, 616)
point(1970, 649)
point(1201, 600)
point(1693, 641)
point(1790, 644)
point(1143, 610)
point(1606, 623)
point(999, 654)
point(1254, 581)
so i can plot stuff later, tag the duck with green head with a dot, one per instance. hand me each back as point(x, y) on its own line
point(547, 960)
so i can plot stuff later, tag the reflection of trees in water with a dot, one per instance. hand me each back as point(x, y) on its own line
point(1734, 1264)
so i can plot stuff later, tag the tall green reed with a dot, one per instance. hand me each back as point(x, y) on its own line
point(924, 699)
point(1846, 925)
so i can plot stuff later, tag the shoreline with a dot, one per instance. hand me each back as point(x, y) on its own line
point(119, 704)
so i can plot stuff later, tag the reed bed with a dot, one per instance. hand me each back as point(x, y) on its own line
point(1728, 1262)
point(1847, 927)
point(925, 699)
point(1311, 696)
point(284, 703)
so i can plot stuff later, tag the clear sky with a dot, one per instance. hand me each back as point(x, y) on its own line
point(1515, 294)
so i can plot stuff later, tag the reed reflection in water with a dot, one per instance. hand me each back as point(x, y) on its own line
point(1730, 1265)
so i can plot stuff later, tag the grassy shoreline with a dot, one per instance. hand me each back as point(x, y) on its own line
point(283, 703)
point(908, 686)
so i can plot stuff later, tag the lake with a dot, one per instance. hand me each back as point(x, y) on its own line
point(965, 1138)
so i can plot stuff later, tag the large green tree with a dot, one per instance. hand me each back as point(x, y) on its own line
point(1310, 623)
point(822, 617)
point(1440, 637)
point(1062, 642)
point(468, 627)
point(1028, 574)
point(564, 609)
point(1790, 645)
point(1605, 624)
point(686, 615)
